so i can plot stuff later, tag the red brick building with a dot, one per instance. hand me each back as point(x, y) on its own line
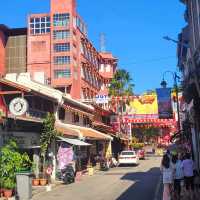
point(60, 53)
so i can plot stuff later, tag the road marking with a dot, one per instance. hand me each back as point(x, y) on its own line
point(156, 195)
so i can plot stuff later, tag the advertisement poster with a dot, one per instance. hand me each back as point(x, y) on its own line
point(64, 156)
point(164, 103)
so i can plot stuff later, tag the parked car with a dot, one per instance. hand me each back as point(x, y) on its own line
point(141, 153)
point(128, 157)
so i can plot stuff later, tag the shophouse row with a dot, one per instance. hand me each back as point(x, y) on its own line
point(188, 51)
point(24, 105)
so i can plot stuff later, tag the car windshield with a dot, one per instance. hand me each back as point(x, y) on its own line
point(128, 153)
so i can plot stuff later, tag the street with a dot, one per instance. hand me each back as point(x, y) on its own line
point(122, 183)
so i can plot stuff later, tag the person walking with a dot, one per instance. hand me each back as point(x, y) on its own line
point(167, 172)
point(178, 177)
point(188, 167)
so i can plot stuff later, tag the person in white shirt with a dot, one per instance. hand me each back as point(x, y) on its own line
point(167, 171)
point(178, 176)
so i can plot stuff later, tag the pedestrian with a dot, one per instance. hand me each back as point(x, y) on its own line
point(167, 172)
point(188, 167)
point(196, 181)
point(168, 153)
point(178, 176)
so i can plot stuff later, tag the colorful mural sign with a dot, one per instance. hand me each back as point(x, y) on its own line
point(164, 103)
point(143, 106)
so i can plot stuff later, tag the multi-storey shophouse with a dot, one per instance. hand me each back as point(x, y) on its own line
point(188, 52)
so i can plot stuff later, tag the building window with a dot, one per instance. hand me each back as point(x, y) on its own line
point(101, 68)
point(62, 47)
point(66, 73)
point(61, 114)
point(61, 19)
point(60, 60)
point(39, 25)
point(81, 26)
point(86, 121)
point(61, 34)
point(75, 118)
point(107, 68)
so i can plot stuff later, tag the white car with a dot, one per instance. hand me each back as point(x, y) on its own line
point(128, 157)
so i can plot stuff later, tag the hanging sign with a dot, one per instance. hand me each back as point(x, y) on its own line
point(164, 103)
point(18, 106)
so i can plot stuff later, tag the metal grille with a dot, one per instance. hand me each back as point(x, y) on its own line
point(16, 54)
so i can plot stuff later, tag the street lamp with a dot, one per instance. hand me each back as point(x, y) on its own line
point(164, 85)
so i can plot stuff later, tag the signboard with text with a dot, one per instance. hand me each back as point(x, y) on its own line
point(101, 99)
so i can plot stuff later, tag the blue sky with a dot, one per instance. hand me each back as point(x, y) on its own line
point(133, 30)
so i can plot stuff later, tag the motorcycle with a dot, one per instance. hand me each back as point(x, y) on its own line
point(68, 174)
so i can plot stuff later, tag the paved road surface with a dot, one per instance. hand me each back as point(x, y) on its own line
point(122, 183)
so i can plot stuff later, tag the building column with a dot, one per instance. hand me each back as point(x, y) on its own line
point(36, 161)
point(53, 150)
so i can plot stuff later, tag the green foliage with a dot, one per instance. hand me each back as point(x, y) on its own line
point(137, 145)
point(151, 132)
point(9, 183)
point(12, 162)
point(121, 84)
point(48, 133)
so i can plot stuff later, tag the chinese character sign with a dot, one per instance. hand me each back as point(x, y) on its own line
point(164, 103)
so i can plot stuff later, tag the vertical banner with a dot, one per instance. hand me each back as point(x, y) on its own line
point(164, 103)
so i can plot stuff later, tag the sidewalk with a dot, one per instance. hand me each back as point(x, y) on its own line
point(183, 195)
point(38, 190)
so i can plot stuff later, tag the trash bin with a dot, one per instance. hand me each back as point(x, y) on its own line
point(24, 185)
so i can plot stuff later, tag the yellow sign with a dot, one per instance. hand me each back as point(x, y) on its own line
point(145, 104)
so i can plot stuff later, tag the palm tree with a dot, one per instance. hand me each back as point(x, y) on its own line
point(121, 84)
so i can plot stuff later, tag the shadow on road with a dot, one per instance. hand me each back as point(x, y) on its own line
point(144, 185)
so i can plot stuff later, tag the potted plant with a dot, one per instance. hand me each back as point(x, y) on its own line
point(36, 180)
point(43, 181)
point(11, 162)
point(1, 187)
point(9, 185)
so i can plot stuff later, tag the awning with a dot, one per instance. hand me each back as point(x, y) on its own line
point(92, 134)
point(80, 132)
point(66, 130)
point(74, 141)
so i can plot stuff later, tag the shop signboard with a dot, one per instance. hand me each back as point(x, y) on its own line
point(164, 103)
point(101, 99)
point(115, 122)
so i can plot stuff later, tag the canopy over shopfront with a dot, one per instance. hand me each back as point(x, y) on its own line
point(81, 132)
point(73, 141)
